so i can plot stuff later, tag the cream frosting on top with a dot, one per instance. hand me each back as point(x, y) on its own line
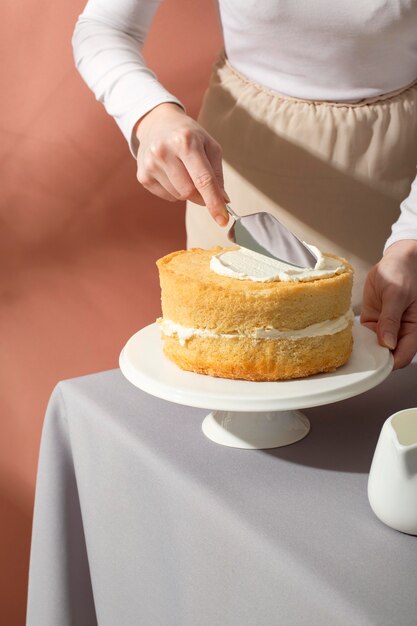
point(246, 264)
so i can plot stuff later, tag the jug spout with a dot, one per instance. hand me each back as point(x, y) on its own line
point(404, 425)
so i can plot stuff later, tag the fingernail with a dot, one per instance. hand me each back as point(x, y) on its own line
point(389, 340)
point(225, 196)
point(221, 220)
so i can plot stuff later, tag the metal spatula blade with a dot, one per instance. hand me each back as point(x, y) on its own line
point(263, 233)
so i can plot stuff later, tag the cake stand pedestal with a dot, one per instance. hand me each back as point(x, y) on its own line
point(253, 415)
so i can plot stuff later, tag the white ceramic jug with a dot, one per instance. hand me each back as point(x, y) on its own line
point(392, 485)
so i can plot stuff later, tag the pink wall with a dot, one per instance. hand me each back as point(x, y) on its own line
point(78, 236)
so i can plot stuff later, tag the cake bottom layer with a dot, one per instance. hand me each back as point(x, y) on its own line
point(260, 359)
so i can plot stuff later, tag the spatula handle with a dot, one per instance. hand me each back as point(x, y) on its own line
point(231, 212)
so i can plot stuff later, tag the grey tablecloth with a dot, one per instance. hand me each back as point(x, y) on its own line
point(141, 520)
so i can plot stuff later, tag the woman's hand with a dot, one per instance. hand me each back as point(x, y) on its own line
point(390, 301)
point(178, 160)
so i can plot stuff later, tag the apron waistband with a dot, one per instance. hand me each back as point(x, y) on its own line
point(223, 62)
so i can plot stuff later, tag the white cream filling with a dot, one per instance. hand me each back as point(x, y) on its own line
point(245, 264)
point(329, 327)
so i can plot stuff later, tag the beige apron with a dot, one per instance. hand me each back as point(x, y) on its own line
point(334, 173)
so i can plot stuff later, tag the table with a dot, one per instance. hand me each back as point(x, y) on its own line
point(141, 520)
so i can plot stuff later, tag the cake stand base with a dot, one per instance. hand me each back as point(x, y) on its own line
point(254, 430)
point(247, 414)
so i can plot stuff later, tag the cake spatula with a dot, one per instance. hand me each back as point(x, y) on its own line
point(263, 233)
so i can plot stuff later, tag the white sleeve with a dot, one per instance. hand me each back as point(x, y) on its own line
point(107, 42)
point(406, 225)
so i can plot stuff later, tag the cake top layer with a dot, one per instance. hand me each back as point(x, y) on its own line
point(194, 296)
point(246, 264)
point(196, 264)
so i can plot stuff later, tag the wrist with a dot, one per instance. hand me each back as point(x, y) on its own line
point(404, 248)
point(161, 110)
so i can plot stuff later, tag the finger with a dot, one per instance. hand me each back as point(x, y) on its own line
point(370, 325)
point(162, 178)
point(371, 303)
point(153, 178)
point(180, 180)
point(158, 190)
point(206, 183)
point(215, 156)
point(389, 322)
point(407, 346)
point(369, 311)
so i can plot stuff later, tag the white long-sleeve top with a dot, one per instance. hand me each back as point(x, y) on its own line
point(320, 50)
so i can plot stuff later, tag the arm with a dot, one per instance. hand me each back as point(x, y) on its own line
point(406, 225)
point(107, 43)
point(177, 159)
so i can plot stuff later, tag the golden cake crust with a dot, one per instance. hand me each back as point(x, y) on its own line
point(261, 359)
point(196, 297)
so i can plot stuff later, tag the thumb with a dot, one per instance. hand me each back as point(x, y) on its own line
point(389, 321)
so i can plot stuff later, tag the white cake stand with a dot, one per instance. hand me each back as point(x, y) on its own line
point(246, 414)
